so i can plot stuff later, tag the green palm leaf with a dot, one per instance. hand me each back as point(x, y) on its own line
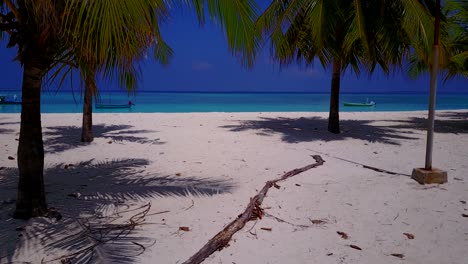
point(356, 34)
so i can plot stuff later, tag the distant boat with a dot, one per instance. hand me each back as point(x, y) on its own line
point(367, 103)
point(112, 106)
point(4, 101)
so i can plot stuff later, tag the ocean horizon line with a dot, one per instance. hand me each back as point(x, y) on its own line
point(248, 92)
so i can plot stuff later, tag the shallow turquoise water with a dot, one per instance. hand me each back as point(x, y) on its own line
point(171, 102)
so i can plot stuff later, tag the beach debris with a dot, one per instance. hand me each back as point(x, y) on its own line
point(465, 215)
point(398, 255)
point(10, 158)
point(463, 202)
point(276, 186)
point(193, 203)
point(317, 221)
point(408, 235)
point(342, 234)
point(67, 166)
point(184, 228)
point(363, 165)
point(53, 213)
point(178, 174)
point(74, 195)
point(252, 233)
point(266, 228)
point(297, 184)
point(330, 254)
point(222, 238)
point(257, 212)
point(287, 222)
point(109, 142)
point(355, 247)
point(458, 179)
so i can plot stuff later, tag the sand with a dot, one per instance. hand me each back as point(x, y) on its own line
point(198, 170)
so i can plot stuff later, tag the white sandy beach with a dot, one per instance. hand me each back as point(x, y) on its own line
point(199, 170)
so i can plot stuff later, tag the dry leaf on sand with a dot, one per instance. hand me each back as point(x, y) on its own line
point(355, 247)
point(408, 235)
point(342, 234)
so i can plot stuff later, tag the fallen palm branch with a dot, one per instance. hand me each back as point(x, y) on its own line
point(252, 212)
point(363, 165)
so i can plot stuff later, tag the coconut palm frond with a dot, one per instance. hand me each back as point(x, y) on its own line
point(122, 27)
point(453, 58)
point(236, 19)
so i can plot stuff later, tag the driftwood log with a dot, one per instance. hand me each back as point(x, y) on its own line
point(252, 212)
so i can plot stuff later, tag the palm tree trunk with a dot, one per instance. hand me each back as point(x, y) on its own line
point(334, 115)
point(31, 199)
point(87, 127)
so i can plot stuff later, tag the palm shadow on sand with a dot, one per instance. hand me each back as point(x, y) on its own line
point(103, 187)
point(6, 131)
point(7, 123)
point(308, 129)
point(62, 138)
point(450, 122)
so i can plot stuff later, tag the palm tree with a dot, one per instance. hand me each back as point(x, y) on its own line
point(453, 58)
point(361, 34)
point(128, 79)
point(37, 38)
point(127, 73)
point(163, 53)
point(50, 33)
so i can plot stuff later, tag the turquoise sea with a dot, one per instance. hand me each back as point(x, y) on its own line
point(180, 102)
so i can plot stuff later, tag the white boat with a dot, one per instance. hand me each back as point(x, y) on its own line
point(367, 103)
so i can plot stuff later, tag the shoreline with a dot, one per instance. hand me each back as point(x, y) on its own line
point(239, 103)
point(199, 170)
point(257, 112)
point(258, 92)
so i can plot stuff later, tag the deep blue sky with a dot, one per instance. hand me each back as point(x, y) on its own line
point(202, 62)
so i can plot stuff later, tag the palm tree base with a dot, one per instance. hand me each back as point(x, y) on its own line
point(334, 129)
point(87, 138)
point(26, 214)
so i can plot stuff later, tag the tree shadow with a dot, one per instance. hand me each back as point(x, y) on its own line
point(296, 130)
point(97, 189)
point(9, 123)
point(6, 130)
point(62, 138)
point(449, 122)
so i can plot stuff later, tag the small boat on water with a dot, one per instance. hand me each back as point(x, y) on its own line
point(4, 101)
point(114, 106)
point(367, 103)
